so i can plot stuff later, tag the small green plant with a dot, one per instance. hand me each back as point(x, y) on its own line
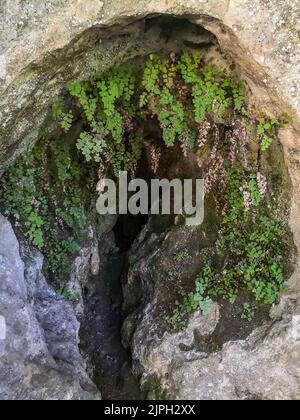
point(239, 94)
point(57, 109)
point(91, 147)
point(65, 119)
point(253, 189)
point(248, 312)
point(34, 232)
point(200, 296)
point(183, 309)
point(174, 274)
point(181, 256)
point(189, 302)
point(66, 293)
point(267, 129)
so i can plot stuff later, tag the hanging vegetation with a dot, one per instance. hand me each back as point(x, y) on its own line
point(198, 107)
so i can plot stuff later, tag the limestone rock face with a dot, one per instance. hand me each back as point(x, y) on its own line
point(42, 46)
point(265, 366)
point(179, 365)
point(40, 359)
point(45, 44)
point(31, 30)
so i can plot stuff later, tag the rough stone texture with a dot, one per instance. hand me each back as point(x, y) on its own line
point(179, 365)
point(95, 284)
point(43, 46)
point(85, 265)
point(265, 366)
point(269, 28)
point(39, 355)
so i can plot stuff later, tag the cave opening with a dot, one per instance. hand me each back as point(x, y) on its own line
point(128, 226)
point(160, 268)
point(109, 363)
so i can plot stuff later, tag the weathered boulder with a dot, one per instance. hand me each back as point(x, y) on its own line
point(40, 358)
point(265, 366)
point(194, 363)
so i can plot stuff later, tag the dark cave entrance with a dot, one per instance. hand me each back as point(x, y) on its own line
point(101, 341)
point(127, 230)
point(109, 363)
point(101, 330)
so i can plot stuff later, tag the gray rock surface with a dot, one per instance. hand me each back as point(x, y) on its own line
point(95, 282)
point(44, 44)
point(39, 355)
point(178, 365)
point(31, 29)
point(265, 366)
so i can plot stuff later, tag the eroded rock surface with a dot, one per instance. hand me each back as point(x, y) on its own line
point(45, 45)
point(183, 365)
point(42, 47)
point(40, 358)
point(265, 366)
point(31, 30)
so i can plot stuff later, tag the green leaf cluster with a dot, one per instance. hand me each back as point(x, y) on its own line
point(45, 193)
point(180, 92)
point(267, 129)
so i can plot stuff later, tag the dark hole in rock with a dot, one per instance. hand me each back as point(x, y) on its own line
point(127, 229)
point(109, 363)
point(101, 341)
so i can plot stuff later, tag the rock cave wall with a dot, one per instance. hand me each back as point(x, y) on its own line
point(45, 46)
